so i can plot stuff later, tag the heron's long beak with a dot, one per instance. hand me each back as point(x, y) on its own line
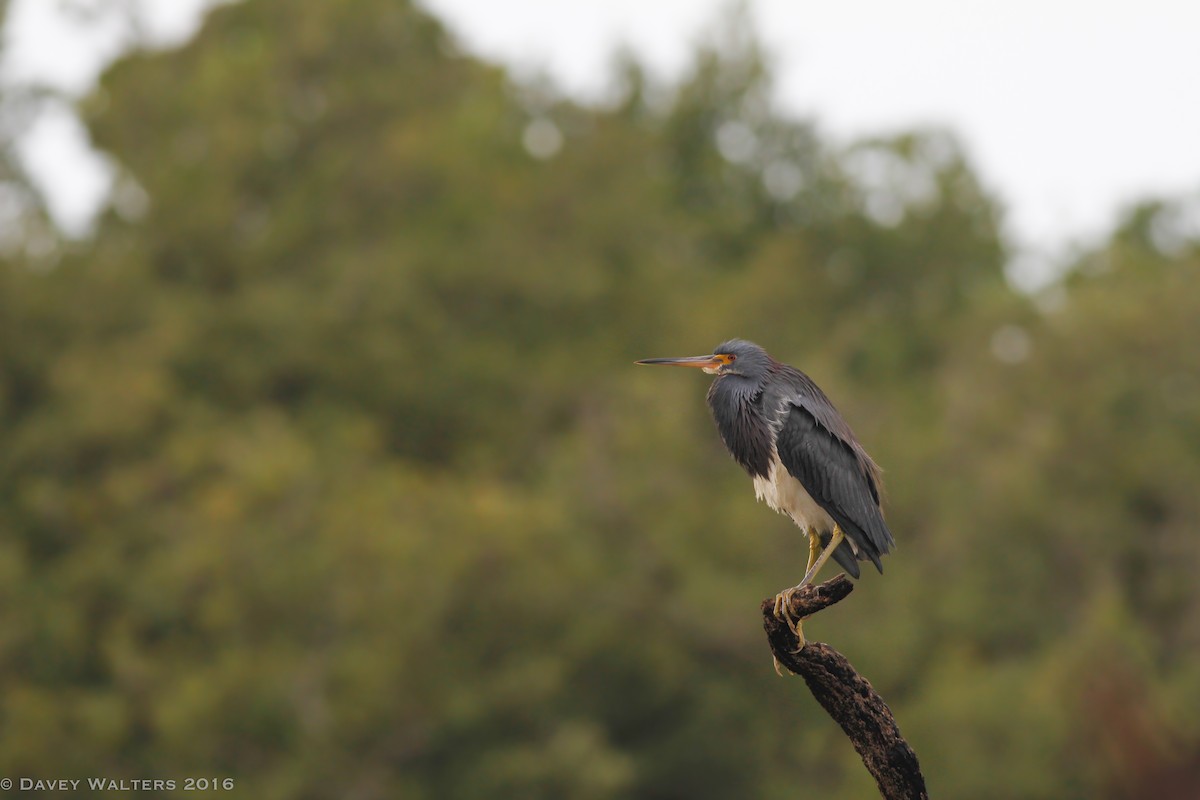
point(702, 362)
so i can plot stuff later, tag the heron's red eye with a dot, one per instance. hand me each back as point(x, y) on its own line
point(726, 358)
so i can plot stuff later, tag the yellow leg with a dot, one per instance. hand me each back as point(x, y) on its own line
point(815, 566)
point(783, 601)
point(814, 549)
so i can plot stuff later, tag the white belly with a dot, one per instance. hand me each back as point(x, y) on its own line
point(786, 495)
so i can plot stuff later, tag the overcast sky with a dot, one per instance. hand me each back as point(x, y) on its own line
point(1069, 108)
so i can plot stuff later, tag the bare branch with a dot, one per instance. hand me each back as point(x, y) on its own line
point(845, 695)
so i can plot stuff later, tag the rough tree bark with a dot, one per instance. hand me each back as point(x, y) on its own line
point(845, 695)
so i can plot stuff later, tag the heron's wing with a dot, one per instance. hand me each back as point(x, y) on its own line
point(838, 476)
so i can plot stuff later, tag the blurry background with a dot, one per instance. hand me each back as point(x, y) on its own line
point(323, 464)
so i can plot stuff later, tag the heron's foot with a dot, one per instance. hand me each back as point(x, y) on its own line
point(783, 613)
point(780, 669)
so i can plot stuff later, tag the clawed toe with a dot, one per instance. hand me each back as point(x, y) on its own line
point(783, 613)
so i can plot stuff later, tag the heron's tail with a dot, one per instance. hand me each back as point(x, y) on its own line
point(844, 555)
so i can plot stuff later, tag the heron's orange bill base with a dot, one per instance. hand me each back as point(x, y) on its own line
point(691, 361)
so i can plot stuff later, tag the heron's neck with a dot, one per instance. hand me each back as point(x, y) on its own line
point(736, 407)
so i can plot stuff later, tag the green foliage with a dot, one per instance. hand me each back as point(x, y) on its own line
point(325, 466)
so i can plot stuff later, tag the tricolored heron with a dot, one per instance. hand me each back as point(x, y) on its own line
point(803, 457)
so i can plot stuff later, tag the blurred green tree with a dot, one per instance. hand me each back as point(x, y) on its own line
point(324, 466)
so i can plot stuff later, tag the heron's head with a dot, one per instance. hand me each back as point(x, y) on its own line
point(735, 357)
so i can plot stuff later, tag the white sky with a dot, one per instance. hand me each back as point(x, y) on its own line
point(1068, 108)
point(48, 44)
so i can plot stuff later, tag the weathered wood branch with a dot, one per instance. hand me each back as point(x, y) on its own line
point(845, 695)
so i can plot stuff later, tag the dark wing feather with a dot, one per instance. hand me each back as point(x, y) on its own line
point(840, 478)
